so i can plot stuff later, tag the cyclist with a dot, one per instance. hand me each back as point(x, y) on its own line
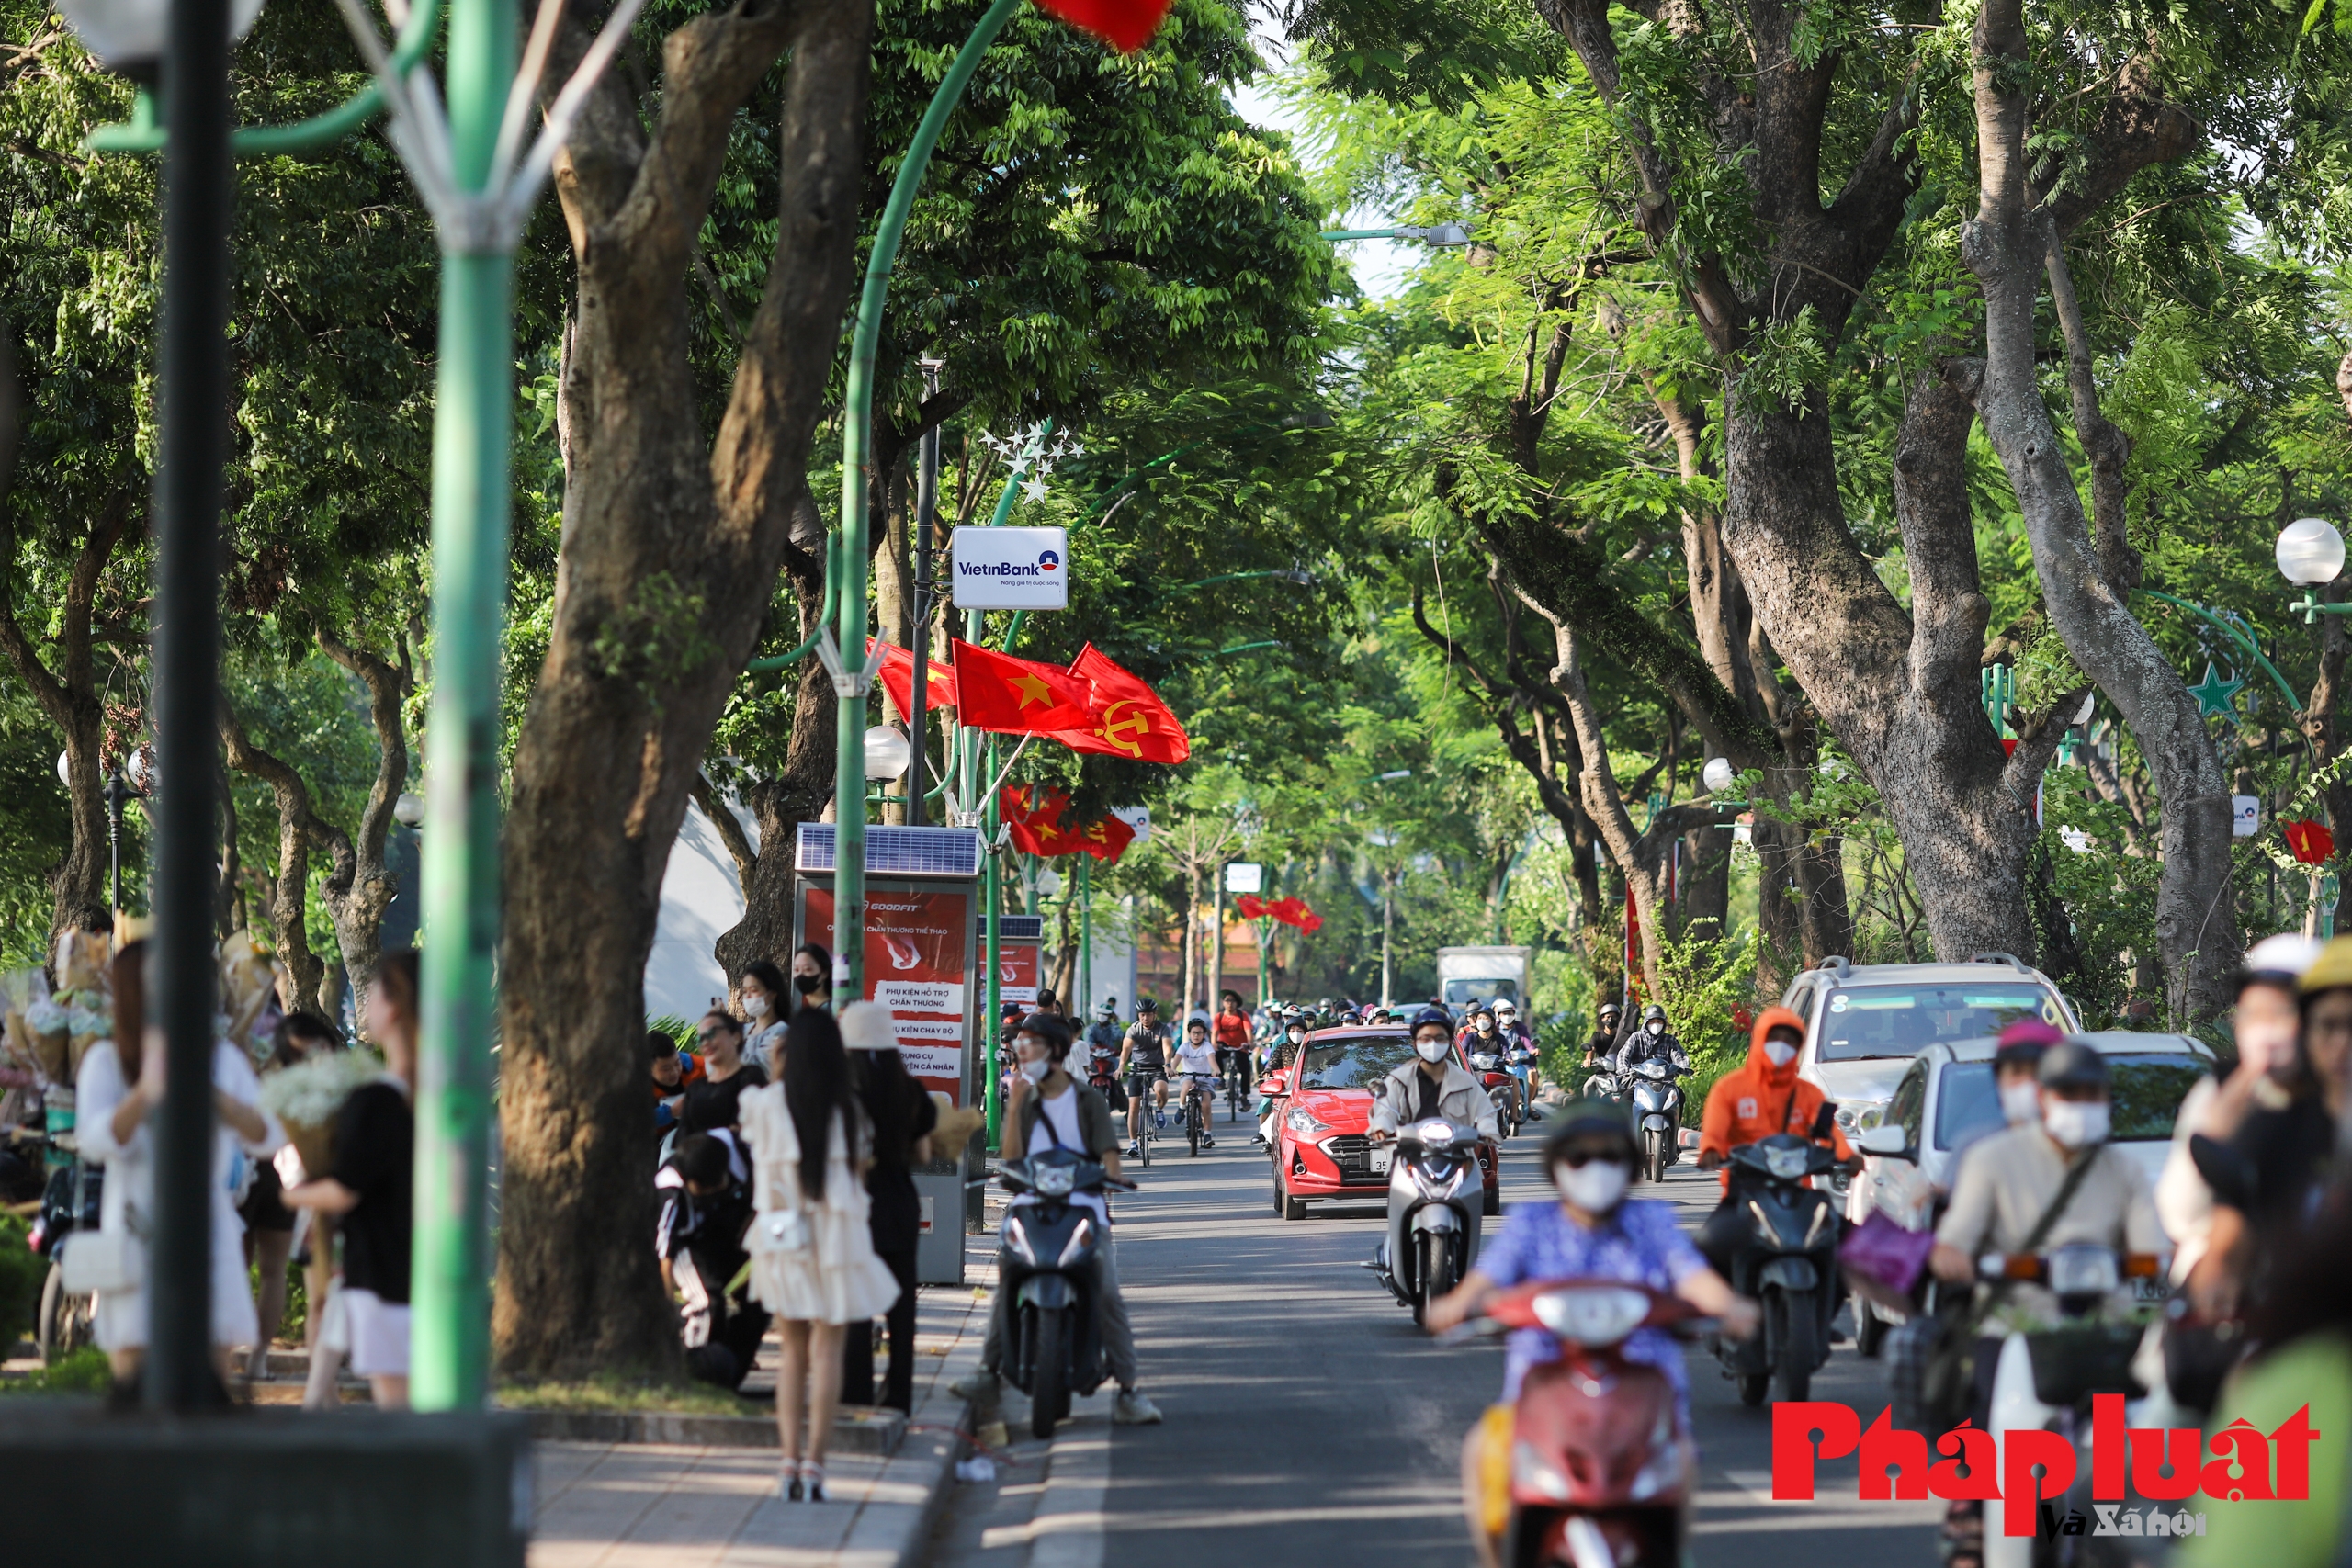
point(1143, 1061)
point(1231, 1030)
point(1196, 1063)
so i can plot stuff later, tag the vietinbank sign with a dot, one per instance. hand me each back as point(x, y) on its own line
point(1011, 569)
point(2031, 1475)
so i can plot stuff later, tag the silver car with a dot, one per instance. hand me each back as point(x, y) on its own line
point(1946, 1100)
point(1865, 1022)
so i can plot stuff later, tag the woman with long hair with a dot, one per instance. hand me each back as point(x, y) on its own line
point(369, 1189)
point(812, 976)
point(122, 1081)
point(812, 1256)
point(902, 1117)
point(767, 1004)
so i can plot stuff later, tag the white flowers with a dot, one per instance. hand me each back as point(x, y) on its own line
point(312, 1090)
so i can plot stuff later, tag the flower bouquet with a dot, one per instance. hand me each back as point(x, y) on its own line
point(307, 1095)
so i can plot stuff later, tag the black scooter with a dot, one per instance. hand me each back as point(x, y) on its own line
point(1046, 1257)
point(1786, 1261)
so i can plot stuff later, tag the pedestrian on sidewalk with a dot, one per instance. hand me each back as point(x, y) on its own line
point(121, 1082)
point(812, 1253)
point(714, 1104)
point(298, 1037)
point(902, 1116)
point(369, 1188)
point(767, 1004)
point(812, 976)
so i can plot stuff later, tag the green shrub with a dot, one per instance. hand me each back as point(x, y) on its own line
point(84, 1371)
point(22, 1273)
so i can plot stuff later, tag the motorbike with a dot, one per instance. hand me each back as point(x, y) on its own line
point(1787, 1263)
point(1658, 1115)
point(68, 1202)
point(1495, 1076)
point(1601, 1467)
point(2047, 1380)
point(1044, 1257)
point(1436, 1193)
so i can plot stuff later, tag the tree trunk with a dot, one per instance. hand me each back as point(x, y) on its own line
point(2008, 246)
point(289, 891)
point(359, 884)
point(671, 549)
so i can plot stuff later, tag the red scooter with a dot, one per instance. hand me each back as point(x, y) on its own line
point(1600, 1466)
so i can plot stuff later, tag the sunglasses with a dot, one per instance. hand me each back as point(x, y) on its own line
point(705, 1037)
point(1576, 1159)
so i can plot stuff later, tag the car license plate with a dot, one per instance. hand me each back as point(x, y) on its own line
point(1382, 1155)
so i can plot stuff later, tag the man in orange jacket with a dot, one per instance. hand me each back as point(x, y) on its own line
point(1755, 1101)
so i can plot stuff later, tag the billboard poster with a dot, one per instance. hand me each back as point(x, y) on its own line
point(1016, 972)
point(915, 942)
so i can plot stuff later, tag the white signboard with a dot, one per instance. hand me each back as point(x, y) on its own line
point(1011, 569)
point(1242, 876)
point(2245, 815)
point(1135, 816)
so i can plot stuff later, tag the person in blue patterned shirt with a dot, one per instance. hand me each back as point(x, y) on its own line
point(1594, 1232)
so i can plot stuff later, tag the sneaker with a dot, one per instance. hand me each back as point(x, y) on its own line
point(1132, 1408)
point(981, 1387)
point(1134, 1150)
point(1207, 1141)
point(1159, 1121)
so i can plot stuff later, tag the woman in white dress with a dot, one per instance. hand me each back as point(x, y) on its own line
point(121, 1082)
point(812, 1256)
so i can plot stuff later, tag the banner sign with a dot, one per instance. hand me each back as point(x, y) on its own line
point(915, 941)
point(1011, 569)
point(1016, 971)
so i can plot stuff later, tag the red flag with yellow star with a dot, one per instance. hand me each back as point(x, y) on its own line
point(1032, 814)
point(1125, 717)
point(1016, 696)
point(897, 677)
point(1126, 25)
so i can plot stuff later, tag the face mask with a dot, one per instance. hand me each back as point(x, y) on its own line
point(1779, 1053)
point(807, 985)
point(1035, 1071)
point(1596, 1188)
point(2021, 1103)
point(1429, 1050)
point(1297, 1035)
point(2075, 1124)
point(1657, 1026)
point(756, 1003)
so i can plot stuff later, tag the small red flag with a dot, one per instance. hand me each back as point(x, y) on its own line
point(1107, 839)
point(898, 678)
point(1126, 25)
point(1294, 912)
point(1125, 717)
point(1032, 814)
point(1251, 906)
point(2311, 842)
point(1016, 696)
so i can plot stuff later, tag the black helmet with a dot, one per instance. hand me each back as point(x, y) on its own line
point(2070, 1064)
point(1653, 1011)
point(1482, 1011)
point(1610, 1009)
point(1049, 1028)
point(1587, 1120)
point(1429, 1016)
point(1145, 1005)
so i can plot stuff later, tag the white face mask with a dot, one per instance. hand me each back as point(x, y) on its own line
point(756, 1003)
point(1431, 1051)
point(2021, 1103)
point(2075, 1124)
point(1779, 1053)
point(1656, 1026)
point(1596, 1188)
point(1297, 1034)
point(1035, 1071)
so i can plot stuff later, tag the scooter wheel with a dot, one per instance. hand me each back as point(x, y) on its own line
point(1048, 1374)
point(1752, 1388)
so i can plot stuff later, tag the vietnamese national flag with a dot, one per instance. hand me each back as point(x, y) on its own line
point(1126, 25)
point(1125, 717)
point(1251, 906)
point(1107, 839)
point(2311, 842)
point(1016, 696)
point(1294, 912)
point(898, 678)
point(1033, 813)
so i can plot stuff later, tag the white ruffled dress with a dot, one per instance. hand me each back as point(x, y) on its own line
point(836, 1277)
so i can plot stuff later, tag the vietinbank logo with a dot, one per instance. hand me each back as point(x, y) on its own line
point(1011, 569)
point(2021, 1469)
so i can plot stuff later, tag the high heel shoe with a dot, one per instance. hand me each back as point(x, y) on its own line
point(815, 1476)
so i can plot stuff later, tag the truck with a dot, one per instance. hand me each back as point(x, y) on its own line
point(1467, 975)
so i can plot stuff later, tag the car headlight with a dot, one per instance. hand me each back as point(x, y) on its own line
point(1530, 1471)
point(1305, 1126)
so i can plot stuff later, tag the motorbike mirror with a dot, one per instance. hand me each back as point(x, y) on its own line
point(1827, 1119)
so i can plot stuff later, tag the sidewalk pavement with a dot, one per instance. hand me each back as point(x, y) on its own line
point(656, 1505)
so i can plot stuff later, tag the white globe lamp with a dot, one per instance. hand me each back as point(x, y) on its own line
point(1718, 775)
point(2309, 551)
point(886, 752)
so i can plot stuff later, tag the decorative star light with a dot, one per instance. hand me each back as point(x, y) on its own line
point(1035, 454)
point(2217, 698)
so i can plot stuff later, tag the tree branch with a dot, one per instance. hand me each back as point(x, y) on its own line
point(729, 826)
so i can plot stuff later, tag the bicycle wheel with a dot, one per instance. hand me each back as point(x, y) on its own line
point(1192, 1122)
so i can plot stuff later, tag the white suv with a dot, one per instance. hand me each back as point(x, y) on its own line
point(1863, 1023)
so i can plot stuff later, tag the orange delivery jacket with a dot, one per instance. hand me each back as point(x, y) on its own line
point(1760, 1099)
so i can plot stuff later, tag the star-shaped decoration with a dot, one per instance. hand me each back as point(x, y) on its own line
point(2216, 698)
point(1032, 690)
point(1035, 487)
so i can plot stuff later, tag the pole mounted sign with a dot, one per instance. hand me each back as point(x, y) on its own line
point(1011, 569)
point(1243, 876)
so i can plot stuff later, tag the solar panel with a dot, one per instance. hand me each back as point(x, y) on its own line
point(1015, 928)
point(898, 852)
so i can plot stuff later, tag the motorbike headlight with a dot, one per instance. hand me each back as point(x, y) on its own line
point(1788, 1164)
point(1016, 1236)
point(1530, 1471)
point(1592, 1314)
point(1054, 1181)
point(1299, 1122)
point(1435, 1132)
point(2080, 1270)
point(1079, 1240)
point(1765, 1230)
point(1441, 1180)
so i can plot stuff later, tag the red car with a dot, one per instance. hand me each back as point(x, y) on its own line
point(1322, 1149)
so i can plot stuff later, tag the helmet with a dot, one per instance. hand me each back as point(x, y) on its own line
point(1653, 1011)
point(2332, 970)
point(2022, 1042)
point(2279, 960)
point(1610, 1009)
point(1505, 1008)
point(1482, 1011)
point(1589, 1118)
point(2070, 1064)
point(1108, 1011)
point(1427, 1016)
point(1146, 1005)
point(1051, 1028)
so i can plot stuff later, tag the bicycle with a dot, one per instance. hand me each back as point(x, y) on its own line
point(1199, 1097)
point(1139, 1087)
point(1236, 1083)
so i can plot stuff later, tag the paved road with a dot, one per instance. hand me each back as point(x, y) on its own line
point(1310, 1423)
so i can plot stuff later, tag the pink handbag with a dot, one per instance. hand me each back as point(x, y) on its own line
point(1884, 1259)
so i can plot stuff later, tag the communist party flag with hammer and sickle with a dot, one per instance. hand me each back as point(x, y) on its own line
point(1016, 696)
point(1032, 814)
point(1126, 717)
